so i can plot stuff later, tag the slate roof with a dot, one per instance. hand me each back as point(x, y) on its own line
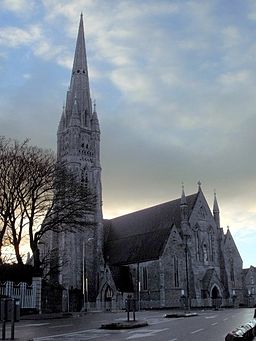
point(122, 278)
point(141, 235)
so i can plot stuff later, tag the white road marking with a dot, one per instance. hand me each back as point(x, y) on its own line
point(210, 317)
point(33, 325)
point(214, 324)
point(144, 333)
point(74, 335)
point(196, 331)
point(137, 336)
point(62, 325)
point(148, 330)
point(225, 319)
point(173, 340)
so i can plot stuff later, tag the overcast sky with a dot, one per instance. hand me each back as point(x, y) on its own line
point(175, 85)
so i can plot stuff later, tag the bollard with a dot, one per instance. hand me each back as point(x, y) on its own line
point(128, 309)
point(3, 316)
point(134, 309)
point(8, 314)
point(12, 317)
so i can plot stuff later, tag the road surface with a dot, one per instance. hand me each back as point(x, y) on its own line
point(209, 325)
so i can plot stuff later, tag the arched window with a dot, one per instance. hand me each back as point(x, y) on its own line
point(176, 271)
point(205, 253)
point(197, 242)
point(232, 273)
point(211, 243)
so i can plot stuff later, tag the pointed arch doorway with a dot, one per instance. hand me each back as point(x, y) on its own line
point(108, 295)
point(216, 297)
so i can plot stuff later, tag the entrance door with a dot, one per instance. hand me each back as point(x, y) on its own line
point(216, 297)
point(108, 298)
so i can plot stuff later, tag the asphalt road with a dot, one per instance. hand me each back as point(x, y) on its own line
point(208, 325)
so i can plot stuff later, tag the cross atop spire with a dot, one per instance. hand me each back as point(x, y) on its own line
point(199, 186)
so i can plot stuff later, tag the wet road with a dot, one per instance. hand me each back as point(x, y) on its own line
point(208, 325)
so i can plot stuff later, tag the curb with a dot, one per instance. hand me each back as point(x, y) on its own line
point(178, 315)
point(245, 332)
point(46, 316)
point(124, 325)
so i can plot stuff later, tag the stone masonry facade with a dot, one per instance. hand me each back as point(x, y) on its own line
point(170, 255)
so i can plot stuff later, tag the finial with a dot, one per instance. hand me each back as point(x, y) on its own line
point(94, 105)
point(199, 185)
point(215, 204)
point(183, 196)
point(81, 15)
point(228, 227)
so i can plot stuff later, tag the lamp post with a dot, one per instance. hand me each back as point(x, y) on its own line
point(85, 278)
point(186, 235)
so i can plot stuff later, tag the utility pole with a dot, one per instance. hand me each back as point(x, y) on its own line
point(85, 284)
point(187, 272)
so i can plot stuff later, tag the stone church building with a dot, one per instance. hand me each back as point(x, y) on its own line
point(169, 255)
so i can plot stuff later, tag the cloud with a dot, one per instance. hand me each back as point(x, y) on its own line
point(233, 79)
point(26, 75)
point(231, 36)
point(18, 6)
point(14, 36)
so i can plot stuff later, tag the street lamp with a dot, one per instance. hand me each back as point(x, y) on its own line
point(186, 235)
point(85, 278)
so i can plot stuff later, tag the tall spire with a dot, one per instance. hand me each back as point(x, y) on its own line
point(79, 84)
point(183, 207)
point(216, 211)
point(80, 62)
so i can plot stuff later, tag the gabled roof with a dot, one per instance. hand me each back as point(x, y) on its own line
point(141, 235)
point(122, 278)
point(229, 240)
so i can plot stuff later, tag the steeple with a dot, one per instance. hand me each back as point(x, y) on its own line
point(78, 145)
point(80, 62)
point(79, 84)
point(183, 200)
point(183, 206)
point(95, 121)
point(216, 211)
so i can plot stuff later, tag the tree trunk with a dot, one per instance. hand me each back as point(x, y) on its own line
point(17, 253)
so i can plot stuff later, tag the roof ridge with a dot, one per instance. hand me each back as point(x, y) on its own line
point(155, 206)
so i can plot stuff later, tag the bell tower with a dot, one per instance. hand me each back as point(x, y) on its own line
point(78, 145)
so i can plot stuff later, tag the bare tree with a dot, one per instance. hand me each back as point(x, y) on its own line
point(42, 195)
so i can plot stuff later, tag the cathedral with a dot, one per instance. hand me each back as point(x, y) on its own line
point(170, 255)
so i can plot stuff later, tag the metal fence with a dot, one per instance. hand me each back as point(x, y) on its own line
point(24, 292)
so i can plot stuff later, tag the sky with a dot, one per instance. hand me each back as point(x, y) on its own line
point(175, 87)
